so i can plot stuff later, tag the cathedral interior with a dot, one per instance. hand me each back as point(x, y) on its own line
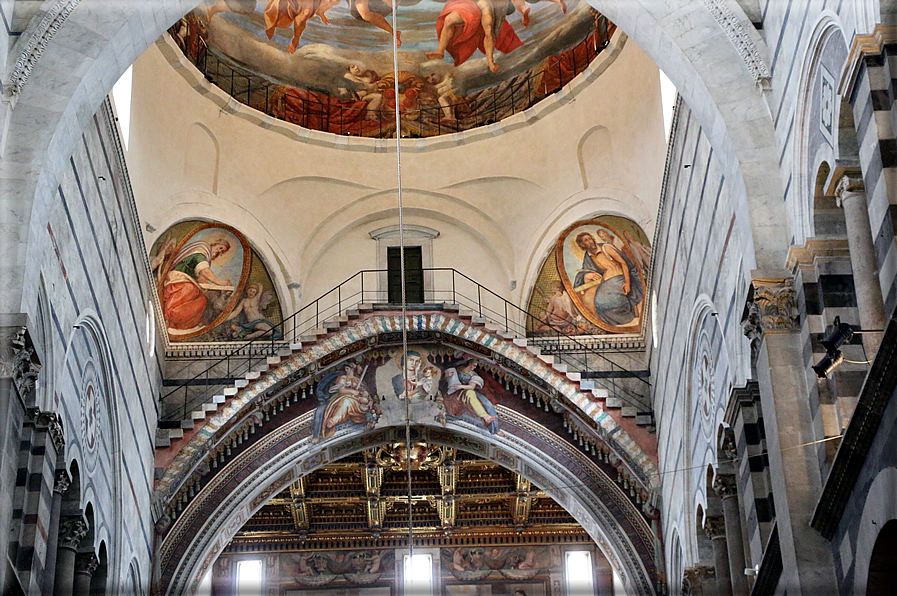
point(448, 298)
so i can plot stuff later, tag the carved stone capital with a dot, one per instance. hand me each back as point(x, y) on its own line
point(18, 359)
point(725, 485)
point(851, 183)
point(62, 482)
point(49, 422)
point(715, 526)
point(86, 563)
point(72, 531)
point(697, 576)
point(776, 305)
point(728, 446)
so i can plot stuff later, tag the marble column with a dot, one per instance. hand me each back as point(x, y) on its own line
point(699, 580)
point(85, 565)
point(773, 325)
point(715, 528)
point(59, 487)
point(72, 531)
point(726, 487)
point(851, 195)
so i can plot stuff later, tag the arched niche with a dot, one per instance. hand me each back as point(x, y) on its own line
point(243, 486)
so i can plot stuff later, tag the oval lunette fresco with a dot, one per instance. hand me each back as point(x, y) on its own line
point(594, 280)
point(212, 285)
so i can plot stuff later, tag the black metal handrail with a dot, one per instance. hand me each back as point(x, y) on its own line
point(459, 290)
point(493, 104)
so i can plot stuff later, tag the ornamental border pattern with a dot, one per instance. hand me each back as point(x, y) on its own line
point(615, 436)
point(738, 35)
point(38, 42)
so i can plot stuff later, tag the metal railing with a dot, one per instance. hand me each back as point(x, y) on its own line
point(442, 286)
point(344, 115)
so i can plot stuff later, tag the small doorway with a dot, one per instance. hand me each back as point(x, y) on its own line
point(414, 275)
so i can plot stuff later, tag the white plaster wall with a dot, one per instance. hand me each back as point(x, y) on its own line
point(306, 207)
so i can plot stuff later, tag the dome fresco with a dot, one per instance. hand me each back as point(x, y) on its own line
point(329, 66)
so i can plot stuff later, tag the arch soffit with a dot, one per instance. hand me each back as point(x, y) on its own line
point(827, 25)
point(582, 205)
point(204, 206)
point(221, 508)
point(619, 437)
point(725, 101)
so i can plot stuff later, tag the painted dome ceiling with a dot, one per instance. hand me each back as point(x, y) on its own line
point(328, 65)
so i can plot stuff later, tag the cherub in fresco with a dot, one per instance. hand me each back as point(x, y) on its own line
point(253, 320)
point(444, 90)
point(374, 12)
point(560, 313)
point(367, 89)
point(279, 14)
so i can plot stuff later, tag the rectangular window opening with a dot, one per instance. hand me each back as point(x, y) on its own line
point(249, 578)
point(578, 567)
point(418, 575)
point(414, 275)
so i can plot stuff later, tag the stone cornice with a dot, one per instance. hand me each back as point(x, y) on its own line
point(861, 432)
point(862, 46)
point(826, 249)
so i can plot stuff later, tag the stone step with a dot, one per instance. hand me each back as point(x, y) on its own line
point(331, 325)
point(520, 342)
point(252, 375)
point(600, 393)
point(546, 358)
point(198, 415)
point(560, 367)
point(175, 433)
point(272, 360)
point(629, 412)
point(219, 399)
point(284, 353)
point(230, 391)
point(365, 307)
point(240, 383)
point(613, 402)
point(296, 346)
point(352, 313)
point(575, 377)
point(644, 419)
point(478, 320)
point(210, 407)
point(451, 307)
point(188, 424)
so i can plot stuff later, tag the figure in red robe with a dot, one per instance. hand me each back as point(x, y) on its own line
point(465, 26)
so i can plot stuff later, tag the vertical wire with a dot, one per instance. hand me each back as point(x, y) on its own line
point(395, 82)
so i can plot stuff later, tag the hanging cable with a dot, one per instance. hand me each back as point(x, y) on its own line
point(404, 327)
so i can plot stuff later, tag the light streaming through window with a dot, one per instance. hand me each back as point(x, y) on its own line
point(418, 575)
point(249, 578)
point(205, 586)
point(668, 102)
point(579, 573)
point(121, 98)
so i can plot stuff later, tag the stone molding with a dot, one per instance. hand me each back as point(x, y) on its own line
point(741, 397)
point(745, 46)
point(72, 531)
point(815, 250)
point(86, 563)
point(37, 43)
point(862, 46)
